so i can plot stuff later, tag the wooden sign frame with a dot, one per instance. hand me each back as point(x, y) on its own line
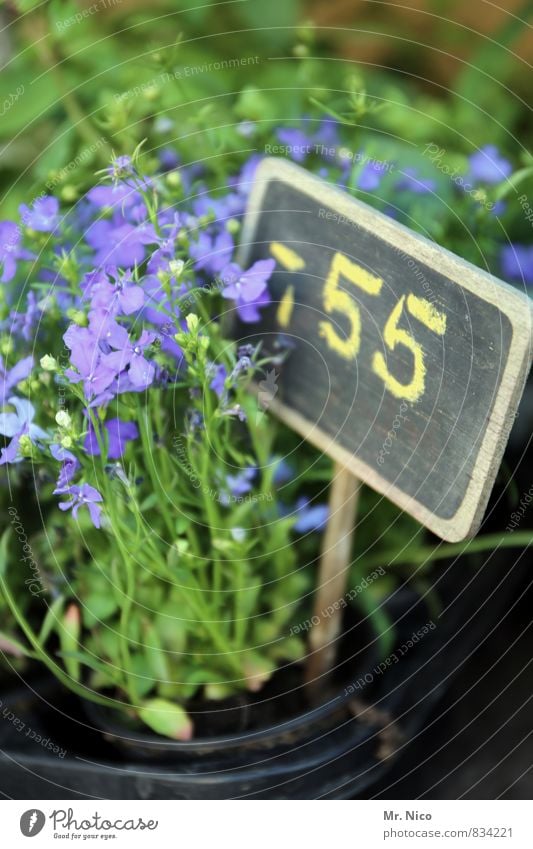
point(517, 307)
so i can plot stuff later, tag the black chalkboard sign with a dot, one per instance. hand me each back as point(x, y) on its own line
point(407, 363)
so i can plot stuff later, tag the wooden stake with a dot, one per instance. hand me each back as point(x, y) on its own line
point(332, 577)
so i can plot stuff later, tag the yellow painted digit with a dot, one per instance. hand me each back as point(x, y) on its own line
point(335, 299)
point(292, 262)
point(393, 335)
point(286, 306)
point(426, 313)
point(286, 256)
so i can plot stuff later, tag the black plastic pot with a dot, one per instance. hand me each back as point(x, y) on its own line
point(337, 750)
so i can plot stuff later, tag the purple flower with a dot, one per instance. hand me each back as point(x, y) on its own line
point(128, 353)
point(18, 424)
point(118, 434)
point(119, 244)
point(119, 196)
point(212, 253)
point(121, 167)
point(166, 333)
point(87, 358)
point(43, 215)
point(123, 296)
point(166, 250)
point(217, 384)
point(248, 288)
point(70, 466)
point(328, 133)
point(10, 249)
point(411, 182)
point(283, 473)
point(235, 410)
point(239, 484)
point(168, 159)
point(9, 378)
point(310, 518)
point(244, 180)
point(299, 145)
point(488, 166)
point(83, 496)
point(499, 208)
point(23, 323)
point(517, 262)
point(369, 177)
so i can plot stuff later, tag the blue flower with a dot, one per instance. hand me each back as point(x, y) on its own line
point(23, 323)
point(283, 473)
point(89, 361)
point(239, 484)
point(10, 378)
point(410, 181)
point(218, 381)
point(70, 466)
point(121, 167)
point(488, 166)
point(122, 296)
point(299, 144)
point(248, 288)
point(119, 433)
point(119, 196)
point(310, 518)
point(83, 496)
point(129, 353)
point(10, 249)
point(370, 177)
point(16, 425)
point(212, 253)
point(43, 215)
point(517, 263)
point(116, 243)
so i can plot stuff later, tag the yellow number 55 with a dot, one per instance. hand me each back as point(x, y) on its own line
point(425, 312)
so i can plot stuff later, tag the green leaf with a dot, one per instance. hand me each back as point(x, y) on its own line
point(3, 552)
point(92, 663)
point(97, 607)
point(51, 619)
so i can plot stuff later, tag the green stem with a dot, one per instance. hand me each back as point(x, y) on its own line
point(426, 554)
point(41, 654)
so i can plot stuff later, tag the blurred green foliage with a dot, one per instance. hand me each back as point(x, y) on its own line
point(122, 73)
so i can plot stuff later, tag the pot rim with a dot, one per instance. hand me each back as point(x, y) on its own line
point(104, 718)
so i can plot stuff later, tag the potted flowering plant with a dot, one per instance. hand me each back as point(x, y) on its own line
point(129, 402)
point(175, 563)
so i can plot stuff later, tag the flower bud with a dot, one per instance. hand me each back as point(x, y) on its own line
point(69, 193)
point(78, 317)
point(300, 50)
point(6, 346)
point(173, 179)
point(152, 92)
point(25, 446)
point(49, 363)
point(192, 322)
point(63, 419)
point(233, 226)
point(176, 266)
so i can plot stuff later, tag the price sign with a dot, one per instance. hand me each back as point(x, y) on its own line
point(408, 363)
